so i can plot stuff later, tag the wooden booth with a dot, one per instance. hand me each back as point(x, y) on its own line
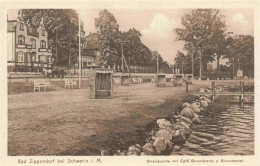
point(125, 80)
point(161, 80)
point(178, 79)
point(188, 78)
point(101, 84)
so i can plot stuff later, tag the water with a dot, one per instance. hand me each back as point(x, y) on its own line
point(222, 132)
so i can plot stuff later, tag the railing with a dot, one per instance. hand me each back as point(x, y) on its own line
point(44, 50)
point(239, 88)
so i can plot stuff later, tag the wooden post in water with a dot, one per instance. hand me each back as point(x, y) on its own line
point(240, 90)
point(213, 89)
point(187, 87)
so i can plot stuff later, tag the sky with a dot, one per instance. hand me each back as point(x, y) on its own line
point(157, 25)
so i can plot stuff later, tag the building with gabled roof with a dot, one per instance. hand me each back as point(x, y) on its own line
point(28, 49)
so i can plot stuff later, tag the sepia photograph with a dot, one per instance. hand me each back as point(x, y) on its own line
point(130, 82)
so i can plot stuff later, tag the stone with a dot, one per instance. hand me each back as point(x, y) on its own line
point(195, 109)
point(187, 112)
point(204, 104)
point(196, 115)
point(163, 123)
point(208, 100)
point(202, 90)
point(138, 146)
point(186, 104)
point(131, 153)
point(143, 154)
point(104, 152)
point(185, 132)
point(196, 120)
point(160, 144)
point(185, 125)
point(153, 138)
point(164, 134)
point(135, 149)
point(187, 120)
point(149, 149)
point(176, 147)
point(178, 136)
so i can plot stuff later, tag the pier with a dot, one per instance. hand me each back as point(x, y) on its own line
point(240, 84)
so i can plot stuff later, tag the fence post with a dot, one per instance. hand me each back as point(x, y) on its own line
point(187, 87)
point(213, 90)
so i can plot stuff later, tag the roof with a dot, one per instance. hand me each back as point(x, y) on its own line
point(92, 46)
point(88, 53)
point(33, 32)
point(11, 26)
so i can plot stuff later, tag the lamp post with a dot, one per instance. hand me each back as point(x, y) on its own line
point(157, 71)
point(122, 67)
point(79, 54)
point(192, 63)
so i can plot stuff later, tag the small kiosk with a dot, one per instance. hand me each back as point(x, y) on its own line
point(177, 79)
point(101, 84)
point(161, 80)
point(125, 80)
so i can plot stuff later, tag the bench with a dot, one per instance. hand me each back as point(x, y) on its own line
point(41, 84)
point(69, 83)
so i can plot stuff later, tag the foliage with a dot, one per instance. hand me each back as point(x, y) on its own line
point(241, 50)
point(112, 41)
point(62, 27)
point(204, 33)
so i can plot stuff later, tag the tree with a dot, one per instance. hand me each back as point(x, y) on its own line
point(62, 27)
point(241, 53)
point(109, 37)
point(204, 33)
point(183, 61)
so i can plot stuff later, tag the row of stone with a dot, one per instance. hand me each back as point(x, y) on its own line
point(170, 136)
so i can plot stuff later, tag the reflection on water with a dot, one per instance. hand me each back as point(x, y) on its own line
point(222, 132)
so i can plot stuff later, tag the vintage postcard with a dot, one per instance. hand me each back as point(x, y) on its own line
point(130, 83)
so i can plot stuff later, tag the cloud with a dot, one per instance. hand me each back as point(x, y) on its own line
point(160, 26)
point(239, 18)
point(159, 36)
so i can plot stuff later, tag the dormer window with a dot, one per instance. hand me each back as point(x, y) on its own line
point(21, 26)
point(43, 32)
point(43, 44)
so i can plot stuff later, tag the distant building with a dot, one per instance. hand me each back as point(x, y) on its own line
point(28, 49)
point(91, 52)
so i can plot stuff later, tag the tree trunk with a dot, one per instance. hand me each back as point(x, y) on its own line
point(218, 59)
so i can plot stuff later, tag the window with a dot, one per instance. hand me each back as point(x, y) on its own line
point(20, 57)
point(30, 29)
point(43, 44)
point(33, 43)
point(29, 57)
point(42, 58)
point(49, 59)
point(33, 58)
point(21, 39)
point(43, 32)
point(21, 26)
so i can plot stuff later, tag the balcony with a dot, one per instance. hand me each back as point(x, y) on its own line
point(44, 50)
point(26, 46)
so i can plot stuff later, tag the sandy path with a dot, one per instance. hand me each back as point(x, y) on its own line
point(65, 122)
